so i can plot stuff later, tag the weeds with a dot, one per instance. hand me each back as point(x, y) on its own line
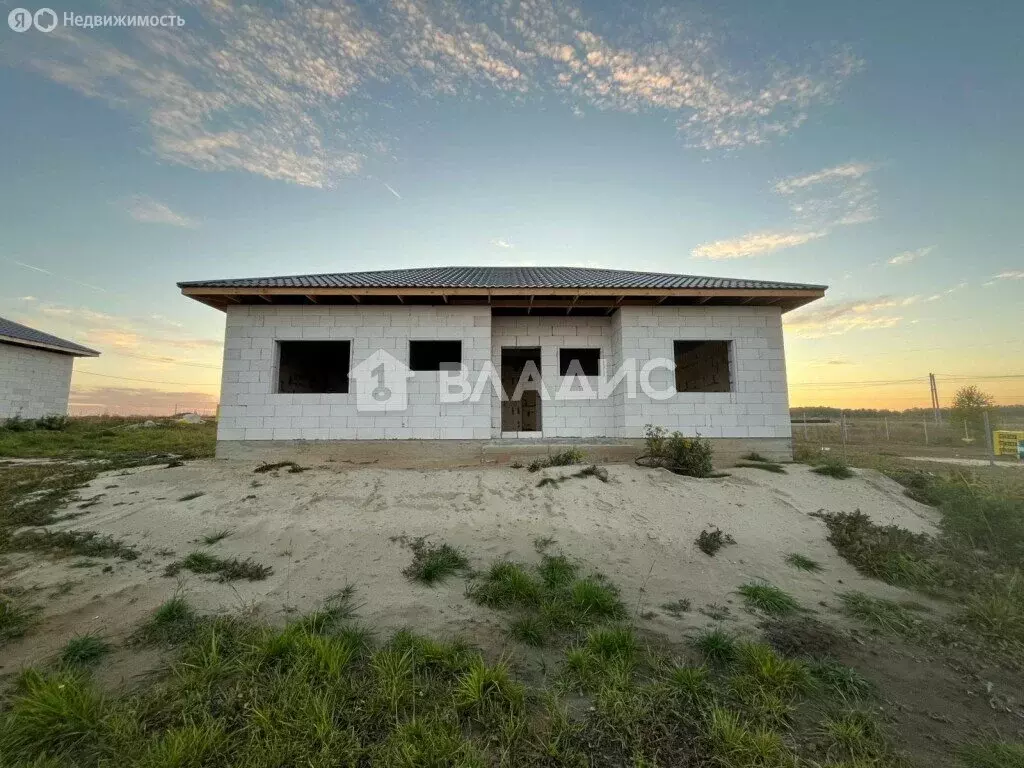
point(84, 650)
point(716, 646)
point(81, 543)
point(227, 569)
point(841, 680)
point(216, 536)
point(991, 754)
point(561, 459)
point(710, 541)
point(592, 471)
point(676, 608)
point(832, 467)
point(803, 563)
point(291, 466)
point(886, 615)
point(433, 563)
point(15, 617)
point(171, 623)
point(768, 599)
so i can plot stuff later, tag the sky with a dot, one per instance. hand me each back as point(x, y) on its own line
point(875, 147)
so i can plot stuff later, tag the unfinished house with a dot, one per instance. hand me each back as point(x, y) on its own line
point(353, 363)
point(35, 371)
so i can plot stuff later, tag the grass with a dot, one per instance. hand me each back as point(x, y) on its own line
point(561, 459)
point(991, 754)
point(716, 646)
point(832, 467)
point(171, 623)
point(677, 608)
point(803, 562)
point(67, 543)
point(226, 569)
point(216, 536)
point(108, 437)
point(547, 600)
point(767, 466)
point(433, 563)
point(84, 650)
point(16, 617)
point(711, 541)
point(886, 615)
point(768, 599)
point(843, 681)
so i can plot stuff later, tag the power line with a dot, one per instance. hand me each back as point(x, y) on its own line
point(149, 381)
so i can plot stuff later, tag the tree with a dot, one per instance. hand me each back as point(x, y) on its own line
point(969, 403)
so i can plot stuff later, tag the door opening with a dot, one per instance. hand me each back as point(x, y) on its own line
point(520, 414)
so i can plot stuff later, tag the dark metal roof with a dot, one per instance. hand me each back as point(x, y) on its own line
point(530, 278)
point(16, 333)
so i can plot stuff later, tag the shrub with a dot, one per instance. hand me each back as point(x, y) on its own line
point(682, 455)
point(18, 424)
point(84, 650)
point(56, 422)
point(432, 563)
point(227, 569)
point(832, 467)
point(561, 459)
point(768, 599)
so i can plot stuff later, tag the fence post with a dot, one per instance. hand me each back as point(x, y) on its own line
point(805, 425)
point(842, 431)
point(925, 422)
point(988, 438)
point(886, 418)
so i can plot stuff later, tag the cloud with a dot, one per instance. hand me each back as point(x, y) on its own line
point(304, 94)
point(1010, 274)
point(753, 244)
point(819, 202)
point(150, 211)
point(499, 243)
point(908, 256)
point(832, 319)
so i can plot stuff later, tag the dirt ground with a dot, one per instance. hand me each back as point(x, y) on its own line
point(327, 527)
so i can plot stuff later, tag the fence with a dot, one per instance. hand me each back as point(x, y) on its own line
point(897, 430)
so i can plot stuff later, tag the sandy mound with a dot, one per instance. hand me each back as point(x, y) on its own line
point(325, 528)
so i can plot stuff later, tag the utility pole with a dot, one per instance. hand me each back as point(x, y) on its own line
point(935, 398)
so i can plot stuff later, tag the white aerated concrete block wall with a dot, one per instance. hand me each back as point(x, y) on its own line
point(757, 406)
point(559, 418)
point(33, 382)
point(252, 410)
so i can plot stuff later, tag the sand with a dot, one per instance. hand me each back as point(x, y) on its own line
point(330, 527)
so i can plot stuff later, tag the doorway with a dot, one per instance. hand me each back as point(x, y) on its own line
point(522, 414)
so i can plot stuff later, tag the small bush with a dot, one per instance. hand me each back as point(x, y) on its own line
point(832, 467)
point(227, 569)
point(710, 541)
point(433, 563)
point(172, 622)
point(768, 599)
point(682, 455)
point(18, 424)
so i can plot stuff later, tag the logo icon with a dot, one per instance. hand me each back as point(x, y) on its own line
point(20, 20)
point(381, 383)
point(45, 20)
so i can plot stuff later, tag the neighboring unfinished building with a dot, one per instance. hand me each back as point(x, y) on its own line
point(35, 371)
point(491, 355)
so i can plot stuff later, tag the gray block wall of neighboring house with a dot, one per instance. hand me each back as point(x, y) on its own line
point(33, 382)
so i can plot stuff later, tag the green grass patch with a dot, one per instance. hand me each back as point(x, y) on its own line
point(109, 437)
point(16, 616)
point(767, 598)
point(991, 754)
point(212, 538)
point(803, 562)
point(886, 615)
point(433, 563)
point(226, 569)
point(717, 646)
point(84, 650)
point(172, 622)
point(832, 467)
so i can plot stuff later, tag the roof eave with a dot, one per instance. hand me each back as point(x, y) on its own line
point(73, 352)
point(220, 297)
